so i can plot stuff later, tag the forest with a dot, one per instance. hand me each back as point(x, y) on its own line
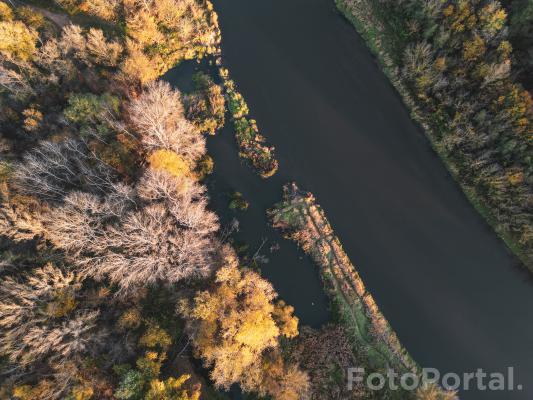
point(117, 280)
point(463, 68)
point(114, 275)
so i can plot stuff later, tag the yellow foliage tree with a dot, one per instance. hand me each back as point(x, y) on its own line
point(234, 325)
point(6, 13)
point(169, 161)
point(141, 26)
point(172, 389)
point(283, 314)
point(17, 41)
point(493, 17)
point(155, 337)
point(137, 66)
point(474, 48)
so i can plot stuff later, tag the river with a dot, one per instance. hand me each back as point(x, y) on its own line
point(457, 298)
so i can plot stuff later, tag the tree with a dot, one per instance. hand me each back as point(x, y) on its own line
point(170, 162)
point(102, 51)
point(94, 115)
point(79, 223)
point(105, 9)
point(84, 108)
point(326, 353)
point(40, 319)
point(157, 114)
point(52, 170)
point(137, 66)
point(206, 106)
point(73, 43)
point(171, 389)
point(6, 13)
point(91, 48)
point(17, 41)
point(50, 57)
point(31, 17)
point(492, 18)
point(233, 327)
point(165, 235)
point(473, 48)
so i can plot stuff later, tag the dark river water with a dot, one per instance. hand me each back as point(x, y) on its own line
point(449, 287)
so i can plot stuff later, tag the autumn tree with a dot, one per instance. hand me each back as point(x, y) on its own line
point(157, 114)
point(52, 170)
point(206, 106)
point(18, 43)
point(234, 331)
point(89, 48)
point(41, 318)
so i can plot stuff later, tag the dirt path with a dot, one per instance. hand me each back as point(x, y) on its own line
point(61, 20)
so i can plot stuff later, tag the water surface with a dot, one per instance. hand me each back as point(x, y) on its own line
point(447, 284)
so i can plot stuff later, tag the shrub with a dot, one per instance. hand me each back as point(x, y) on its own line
point(31, 17)
point(237, 105)
point(155, 337)
point(206, 106)
point(238, 202)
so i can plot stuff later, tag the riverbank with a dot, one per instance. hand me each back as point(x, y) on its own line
point(373, 340)
point(382, 35)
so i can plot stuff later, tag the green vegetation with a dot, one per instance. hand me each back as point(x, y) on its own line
point(251, 143)
point(238, 202)
point(521, 37)
point(206, 106)
point(451, 62)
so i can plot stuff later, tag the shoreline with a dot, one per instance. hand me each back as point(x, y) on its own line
point(374, 36)
point(301, 219)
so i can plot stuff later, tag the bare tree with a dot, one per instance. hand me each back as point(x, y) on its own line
point(73, 43)
point(78, 225)
point(101, 51)
point(167, 234)
point(38, 319)
point(158, 116)
point(51, 170)
point(15, 83)
point(50, 58)
point(152, 245)
point(169, 239)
